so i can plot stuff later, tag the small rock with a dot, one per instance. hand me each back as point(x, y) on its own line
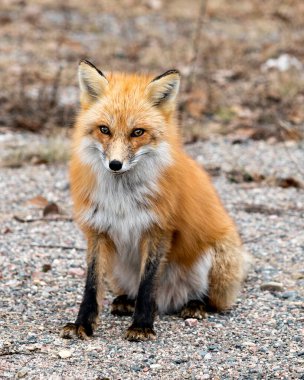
point(22, 373)
point(203, 353)
point(180, 360)
point(64, 354)
point(248, 344)
point(36, 277)
point(298, 276)
point(154, 4)
point(213, 347)
point(191, 322)
point(51, 208)
point(282, 63)
point(62, 185)
point(272, 286)
point(208, 356)
point(32, 339)
point(77, 272)
point(32, 347)
point(46, 268)
point(155, 366)
point(289, 295)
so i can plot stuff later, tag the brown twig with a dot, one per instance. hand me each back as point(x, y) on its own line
point(253, 240)
point(55, 246)
point(262, 209)
point(53, 101)
point(7, 353)
point(196, 49)
point(53, 219)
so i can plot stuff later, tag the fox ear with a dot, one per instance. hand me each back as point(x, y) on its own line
point(92, 82)
point(164, 88)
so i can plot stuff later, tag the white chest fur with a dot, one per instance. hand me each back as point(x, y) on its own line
point(121, 209)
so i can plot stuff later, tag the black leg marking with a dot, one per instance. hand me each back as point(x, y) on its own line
point(123, 305)
point(194, 309)
point(142, 326)
point(88, 311)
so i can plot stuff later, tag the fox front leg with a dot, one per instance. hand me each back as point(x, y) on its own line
point(145, 306)
point(89, 310)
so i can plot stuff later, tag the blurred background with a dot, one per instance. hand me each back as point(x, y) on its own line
point(241, 62)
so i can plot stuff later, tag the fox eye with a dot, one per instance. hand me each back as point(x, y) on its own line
point(104, 129)
point(137, 132)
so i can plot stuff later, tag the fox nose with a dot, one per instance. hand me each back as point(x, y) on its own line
point(115, 165)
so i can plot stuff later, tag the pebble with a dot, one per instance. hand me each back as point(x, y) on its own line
point(22, 373)
point(180, 360)
point(76, 272)
point(32, 339)
point(272, 286)
point(248, 344)
point(64, 354)
point(62, 185)
point(208, 356)
point(135, 368)
point(191, 322)
point(213, 347)
point(155, 4)
point(203, 353)
point(155, 366)
point(298, 276)
point(289, 295)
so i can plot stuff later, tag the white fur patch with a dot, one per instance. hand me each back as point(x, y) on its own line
point(120, 204)
point(126, 272)
point(177, 286)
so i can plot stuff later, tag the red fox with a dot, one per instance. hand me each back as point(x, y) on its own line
point(155, 227)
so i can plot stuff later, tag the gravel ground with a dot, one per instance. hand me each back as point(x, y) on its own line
point(260, 338)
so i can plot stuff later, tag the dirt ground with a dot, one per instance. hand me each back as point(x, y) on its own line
point(43, 267)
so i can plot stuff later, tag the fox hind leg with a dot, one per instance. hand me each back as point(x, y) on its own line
point(194, 309)
point(123, 306)
point(228, 271)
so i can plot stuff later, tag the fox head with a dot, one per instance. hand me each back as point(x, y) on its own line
point(124, 118)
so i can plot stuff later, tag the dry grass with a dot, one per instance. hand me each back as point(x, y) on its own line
point(54, 150)
point(37, 108)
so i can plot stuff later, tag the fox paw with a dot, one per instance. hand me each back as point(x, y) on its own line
point(194, 309)
point(122, 305)
point(139, 334)
point(75, 330)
